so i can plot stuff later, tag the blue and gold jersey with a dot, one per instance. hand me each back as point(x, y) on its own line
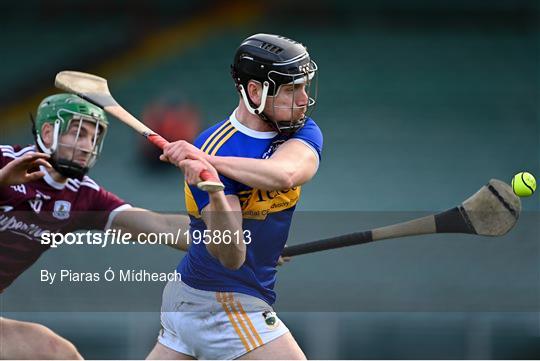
point(267, 215)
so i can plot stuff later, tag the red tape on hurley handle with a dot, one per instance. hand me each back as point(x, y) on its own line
point(209, 183)
point(157, 140)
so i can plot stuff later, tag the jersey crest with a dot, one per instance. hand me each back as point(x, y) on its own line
point(61, 209)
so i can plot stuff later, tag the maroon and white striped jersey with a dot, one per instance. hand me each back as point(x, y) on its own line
point(27, 210)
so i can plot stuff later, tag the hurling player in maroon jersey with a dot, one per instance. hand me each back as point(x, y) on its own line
point(44, 188)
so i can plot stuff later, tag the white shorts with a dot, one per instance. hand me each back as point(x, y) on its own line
point(215, 325)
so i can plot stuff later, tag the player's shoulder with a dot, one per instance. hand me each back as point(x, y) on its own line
point(310, 134)
point(310, 122)
point(311, 125)
point(310, 130)
point(207, 134)
point(222, 139)
point(16, 151)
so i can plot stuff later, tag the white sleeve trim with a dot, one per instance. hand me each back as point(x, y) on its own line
point(310, 147)
point(114, 213)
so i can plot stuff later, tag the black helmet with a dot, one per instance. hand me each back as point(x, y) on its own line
point(272, 60)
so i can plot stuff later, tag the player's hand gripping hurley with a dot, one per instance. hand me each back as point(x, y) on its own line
point(95, 90)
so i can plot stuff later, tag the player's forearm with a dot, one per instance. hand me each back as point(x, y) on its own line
point(176, 225)
point(221, 220)
point(265, 174)
point(143, 222)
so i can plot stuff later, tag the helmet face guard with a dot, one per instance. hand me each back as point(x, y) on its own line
point(65, 155)
point(274, 61)
point(309, 79)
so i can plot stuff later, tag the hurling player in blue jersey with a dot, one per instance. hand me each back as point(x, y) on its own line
point(264, 151)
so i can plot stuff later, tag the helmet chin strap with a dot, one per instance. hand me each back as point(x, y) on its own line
point(54, 144)
point(245, 98)
point(259, 110)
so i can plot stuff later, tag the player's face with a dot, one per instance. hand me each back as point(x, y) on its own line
point(289, 104)
point(78, 142)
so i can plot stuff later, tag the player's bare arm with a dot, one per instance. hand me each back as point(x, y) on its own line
point(25, 169)
point(139, 220)
point(222, 214)
point(293, 164)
